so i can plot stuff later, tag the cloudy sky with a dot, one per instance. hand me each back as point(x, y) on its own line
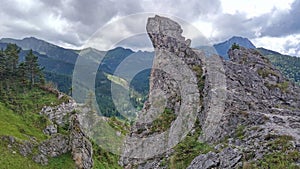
point(272, 24)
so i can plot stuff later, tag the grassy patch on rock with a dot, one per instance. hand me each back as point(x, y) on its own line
point(11, 159)
point(189, 148)
point(163, 121)
point(104, 159)
point(281, 156)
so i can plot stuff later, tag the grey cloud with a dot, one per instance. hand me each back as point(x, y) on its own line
point(83, 18)
point(228, 25)
point(276, 23)
point(285, 23)
point(89, 16)
point(186, 10)
point(292, 48)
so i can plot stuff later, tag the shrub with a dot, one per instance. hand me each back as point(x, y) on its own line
point(235, 46)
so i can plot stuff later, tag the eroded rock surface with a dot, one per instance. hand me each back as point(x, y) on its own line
point(226, 159)
point(248, 105)
point(173, 87)
point(76, 142)
point(261, 109)
point(73, 141)
point(214, 96)
point(81, 147)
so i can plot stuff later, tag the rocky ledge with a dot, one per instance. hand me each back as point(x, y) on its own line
point(73, 140)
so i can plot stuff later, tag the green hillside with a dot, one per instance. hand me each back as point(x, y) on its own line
point(23, 93)
point(23, 127)
point(21, 99)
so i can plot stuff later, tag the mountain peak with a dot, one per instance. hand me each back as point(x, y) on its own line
point(31, 37)
point(238, 37)
point(222, 48)
point(121, 49)
point(34, 39)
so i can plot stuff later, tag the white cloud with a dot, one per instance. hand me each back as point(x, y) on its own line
point(254, 8)
point(285, 45)
point(205, 27)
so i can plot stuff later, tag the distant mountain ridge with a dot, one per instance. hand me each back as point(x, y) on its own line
point(59, 62)
point(265, 51)
point(43, 47)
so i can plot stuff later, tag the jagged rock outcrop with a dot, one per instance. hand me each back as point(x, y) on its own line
point(26, 148)
point(214, 96)
point(76, 142)
point(81, 147)
point(50, 129)
point(257, 93)
point(53, 147)
point(59, 114)
point(73, 140)
point(261, 109)
point(173, 87)
point(249, 112)
point(227, 158)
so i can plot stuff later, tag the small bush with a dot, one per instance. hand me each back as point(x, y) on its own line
point(235, 46)
point(283, 86)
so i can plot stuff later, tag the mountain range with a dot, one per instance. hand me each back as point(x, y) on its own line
point(59, 65)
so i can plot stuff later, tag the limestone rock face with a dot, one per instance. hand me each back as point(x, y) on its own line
point(214, 97)
point(64, 115)
point(50, 129)
point(258, 94)
point(26, 148)
point(261, 107)
point(226, 159)
point(81, 147)
point(59, 114)
point(53, 147)
point(246, 106)
point(173, 87)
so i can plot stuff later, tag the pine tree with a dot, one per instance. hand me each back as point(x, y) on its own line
point(2, 65)
point(22, 72)
point(32, 67)
point(11, 56)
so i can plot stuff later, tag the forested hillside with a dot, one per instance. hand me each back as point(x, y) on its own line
point(22, 96)
point(58, 66)
point(288, 65)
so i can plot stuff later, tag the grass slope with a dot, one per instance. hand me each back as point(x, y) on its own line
point(19, 118)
